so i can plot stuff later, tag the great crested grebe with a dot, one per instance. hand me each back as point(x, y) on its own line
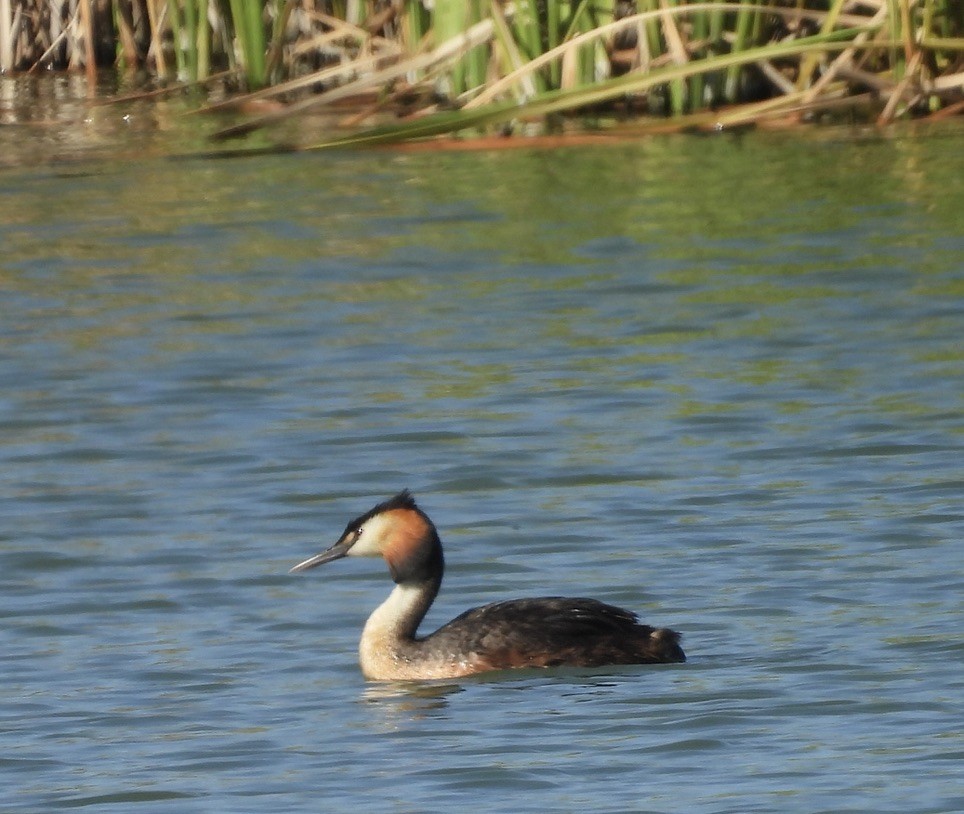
point(545, 632)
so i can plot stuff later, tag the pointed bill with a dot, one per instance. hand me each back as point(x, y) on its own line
point(336, 552)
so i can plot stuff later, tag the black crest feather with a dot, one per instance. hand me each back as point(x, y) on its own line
point(403, 500)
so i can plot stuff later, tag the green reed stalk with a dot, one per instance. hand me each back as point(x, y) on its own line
point(677, 88)
point(477, 59)
point(565, 20)
point(701, 32)
point(192, 38)
point(895, 12)
point(282, 11)
point(415, 25)
point(586, 16)
point(717, 19)
point(508, 56)
point(246, 16)
point(254, 26)
point(202, 39)
point(578, 68)
point(525, 25)
point(602, 12)
point(450, 19)
point(651, 26)
point(181, 65)
point(553, 33)
point(926, 26)
point(716, 25)
point(527, 35)
point(187, 39)
point(741, 41)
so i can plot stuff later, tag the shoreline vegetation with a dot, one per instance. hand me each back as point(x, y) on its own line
point(406, 70)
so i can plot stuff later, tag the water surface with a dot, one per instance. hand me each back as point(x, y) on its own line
point(715, 381)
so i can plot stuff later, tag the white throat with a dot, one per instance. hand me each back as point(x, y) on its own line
point(395, 613)
point(389, 629)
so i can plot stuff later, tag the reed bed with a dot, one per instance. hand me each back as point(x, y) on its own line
point(420, 68)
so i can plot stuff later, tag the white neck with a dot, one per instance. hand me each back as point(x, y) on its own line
point(389, 636)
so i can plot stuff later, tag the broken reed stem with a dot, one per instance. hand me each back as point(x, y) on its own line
point(90, 62)
point(6, 36)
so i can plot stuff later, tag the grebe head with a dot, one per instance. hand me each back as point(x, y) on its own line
point(397, 530)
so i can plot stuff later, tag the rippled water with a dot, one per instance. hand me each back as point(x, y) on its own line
point(718, 382)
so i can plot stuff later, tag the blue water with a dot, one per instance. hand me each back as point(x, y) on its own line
point(718, 382)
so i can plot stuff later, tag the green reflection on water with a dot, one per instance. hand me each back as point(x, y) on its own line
point(406, 242)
